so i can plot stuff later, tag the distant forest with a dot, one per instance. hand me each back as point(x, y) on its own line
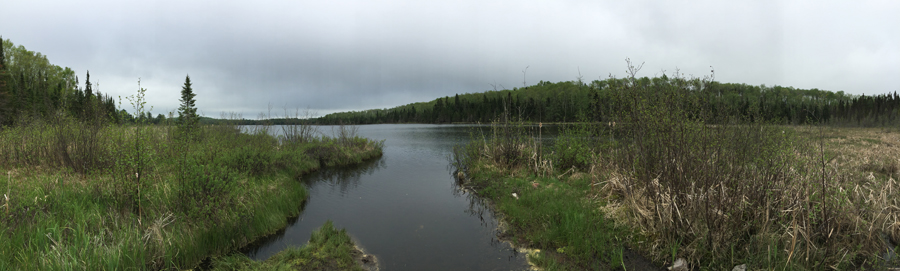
point(32, 88)
point(575, 101)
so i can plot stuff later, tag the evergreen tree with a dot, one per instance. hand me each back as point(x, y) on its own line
point(187, 112)
point(4, 97)
point(87, 86)
point(2, 58)
point(88, 101)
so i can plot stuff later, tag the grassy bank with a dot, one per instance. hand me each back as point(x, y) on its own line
point(671, 180)
point(811, 198)
point(328, 249)
point(93, 196)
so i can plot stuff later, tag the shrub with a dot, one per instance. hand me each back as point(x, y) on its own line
point(249, 159)
point(206, 189)
point(574, 148)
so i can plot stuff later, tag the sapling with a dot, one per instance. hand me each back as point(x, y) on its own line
point(138, 155)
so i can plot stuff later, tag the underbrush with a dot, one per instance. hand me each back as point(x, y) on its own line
point(83, 196)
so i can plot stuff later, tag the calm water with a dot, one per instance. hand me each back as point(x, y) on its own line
point(403, 207)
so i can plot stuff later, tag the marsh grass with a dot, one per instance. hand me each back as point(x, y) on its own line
point(689, 184)
point(136, 197)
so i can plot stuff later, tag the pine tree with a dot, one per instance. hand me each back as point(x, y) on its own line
point(87, 86)
point(88, 101)
point(5, 111)
point(2, 58)
point(187, 112)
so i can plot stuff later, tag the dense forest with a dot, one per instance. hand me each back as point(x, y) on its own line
point(572, 101)
point(32, 88)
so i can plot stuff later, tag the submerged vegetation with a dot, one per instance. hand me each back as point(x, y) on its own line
point(674, 179)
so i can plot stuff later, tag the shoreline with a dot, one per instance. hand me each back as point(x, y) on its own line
point(190, 200)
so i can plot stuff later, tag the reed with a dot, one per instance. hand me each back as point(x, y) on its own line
point(672, 185)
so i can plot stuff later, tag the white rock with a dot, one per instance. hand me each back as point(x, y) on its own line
point(679, 265)
point(515, 196)
point(742, 267)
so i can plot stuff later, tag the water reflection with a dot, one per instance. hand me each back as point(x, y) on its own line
point(343, 178)
point(482, 209)
point(399, 208)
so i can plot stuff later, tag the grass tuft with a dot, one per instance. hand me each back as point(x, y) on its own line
point(328, 249)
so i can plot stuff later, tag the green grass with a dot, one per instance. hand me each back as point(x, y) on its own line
point(132, 197)
point(328, 249)
point(554, 216)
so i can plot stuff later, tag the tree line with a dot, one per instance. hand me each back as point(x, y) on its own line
point(545, 101)
point(33, 88)
point(574, 101)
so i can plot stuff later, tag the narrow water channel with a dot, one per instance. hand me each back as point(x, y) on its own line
point(403, 207)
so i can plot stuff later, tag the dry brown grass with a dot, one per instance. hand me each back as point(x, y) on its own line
point(849, 227)
point(864, 150)
point(872, 157)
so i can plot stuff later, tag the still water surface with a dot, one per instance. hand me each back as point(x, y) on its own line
point(403, 207)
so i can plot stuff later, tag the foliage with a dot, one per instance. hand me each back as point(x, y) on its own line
point(563, 102)
point(574, 148)
point(206, 190)
point(33, 88)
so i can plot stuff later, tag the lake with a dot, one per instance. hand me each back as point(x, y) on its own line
point(404, 207)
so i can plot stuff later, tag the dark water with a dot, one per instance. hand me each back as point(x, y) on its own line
point(404, 207)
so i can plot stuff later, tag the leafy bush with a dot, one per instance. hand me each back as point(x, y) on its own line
point(323, 152)
point(249, 159)
point(206, 189)
point(574, 148)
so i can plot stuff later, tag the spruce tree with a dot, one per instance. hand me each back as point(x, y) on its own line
point(4, 97)
point(187, 112)
point(2, 59)
point(88, 101)
point(88, 92)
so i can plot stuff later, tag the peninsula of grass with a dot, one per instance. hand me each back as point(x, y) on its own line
point(91, 196)
point(328, 249)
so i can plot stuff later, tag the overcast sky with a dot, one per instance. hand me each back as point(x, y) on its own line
point(244, 56)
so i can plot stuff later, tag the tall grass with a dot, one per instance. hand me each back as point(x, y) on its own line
point(693, 184)
point(107, 196)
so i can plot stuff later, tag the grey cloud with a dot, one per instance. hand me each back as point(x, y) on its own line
point(354, 55)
